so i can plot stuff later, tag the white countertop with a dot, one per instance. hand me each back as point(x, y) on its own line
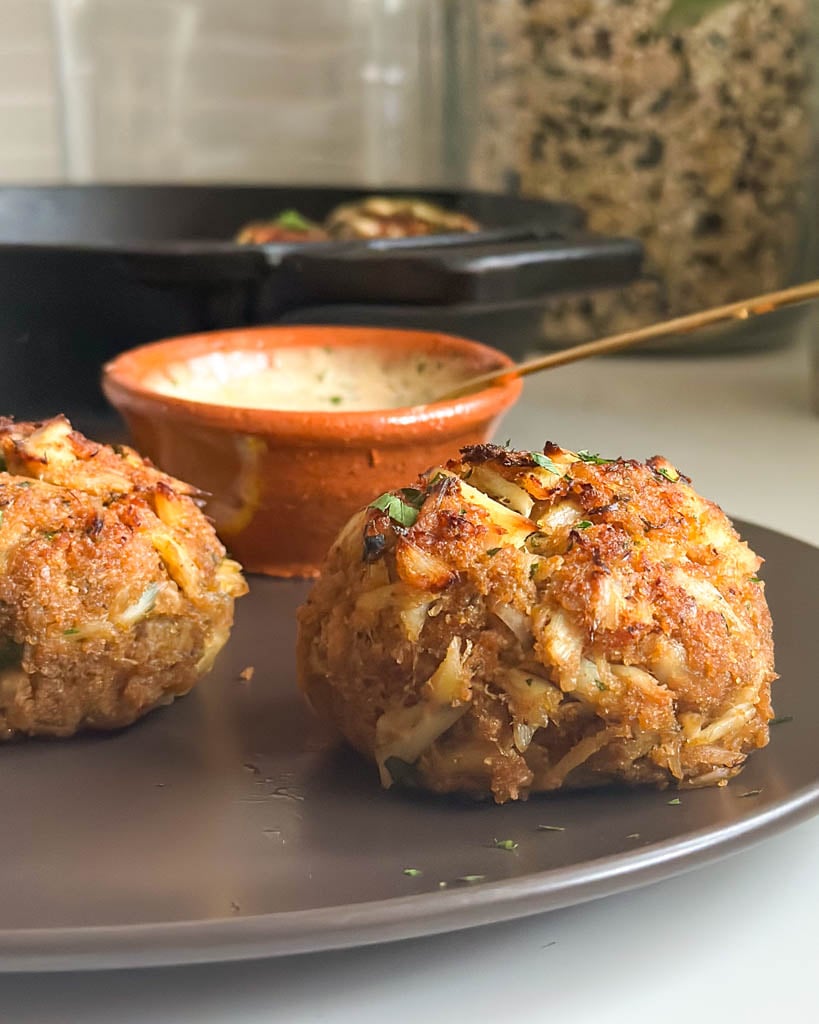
point(733, 941)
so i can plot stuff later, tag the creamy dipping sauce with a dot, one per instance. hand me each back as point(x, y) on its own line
point(312, 379)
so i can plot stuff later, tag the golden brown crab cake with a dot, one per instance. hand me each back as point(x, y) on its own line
point(288, 226)
point(115, 593)
point(524, 621)
point(395, 217)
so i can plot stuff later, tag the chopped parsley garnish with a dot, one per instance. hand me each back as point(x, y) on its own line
point(335, 399)
point(402, 510)
point(492, 551)
point(470, 879)
point(584, 524)
point(414, 496)
point(591, 457)
point(663, 472)
point(550, 828)
point(413, 872)
point(293, 221)
point(71, 632)
point(545, 463)
point(756, 579)
point(674, 802)
point(600, 684)
point(533, 568)
point(506, 844)
point(781, 719)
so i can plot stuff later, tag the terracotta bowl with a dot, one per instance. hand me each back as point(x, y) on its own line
point(282, 483)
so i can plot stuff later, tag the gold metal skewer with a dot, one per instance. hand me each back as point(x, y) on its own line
point(756, 306)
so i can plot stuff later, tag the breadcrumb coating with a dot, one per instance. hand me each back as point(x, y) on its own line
point(115, 594)
point(520, 622)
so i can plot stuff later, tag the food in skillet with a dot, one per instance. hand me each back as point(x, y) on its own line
point(289, 226)
point(115, 594)
point(393, 217)
point(373, 217)
point(519, 622)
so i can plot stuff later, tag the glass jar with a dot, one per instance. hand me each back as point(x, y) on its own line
point(686, 123)
point(357, 92)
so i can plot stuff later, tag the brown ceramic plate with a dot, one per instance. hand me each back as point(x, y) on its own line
point(228, 826)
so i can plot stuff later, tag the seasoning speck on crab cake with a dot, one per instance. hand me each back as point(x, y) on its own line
point(520, 622)
point(115, 593)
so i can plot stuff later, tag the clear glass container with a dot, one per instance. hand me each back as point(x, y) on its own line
point(323, 91)
point(686, 123)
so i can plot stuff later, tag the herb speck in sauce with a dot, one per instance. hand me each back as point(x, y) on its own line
point(311, 378)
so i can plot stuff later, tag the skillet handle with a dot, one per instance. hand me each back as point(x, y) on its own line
point(450, 272)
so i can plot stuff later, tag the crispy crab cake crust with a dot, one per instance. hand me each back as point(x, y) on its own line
point(547, 620)
point(115, 594)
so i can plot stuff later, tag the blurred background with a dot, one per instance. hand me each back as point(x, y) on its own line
point(688, 124)
point(211, 90)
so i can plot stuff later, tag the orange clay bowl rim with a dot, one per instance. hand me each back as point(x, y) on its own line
point(123, 383)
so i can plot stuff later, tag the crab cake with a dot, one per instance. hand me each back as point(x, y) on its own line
point(519, 622)
point(395, 217)
point(115, 594)
point(289, 226)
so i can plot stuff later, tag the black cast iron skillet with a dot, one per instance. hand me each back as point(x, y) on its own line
point(88, 271)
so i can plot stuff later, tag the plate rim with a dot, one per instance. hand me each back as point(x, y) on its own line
point(322, 929)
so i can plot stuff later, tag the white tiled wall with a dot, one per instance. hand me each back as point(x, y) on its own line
point(30, 148)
